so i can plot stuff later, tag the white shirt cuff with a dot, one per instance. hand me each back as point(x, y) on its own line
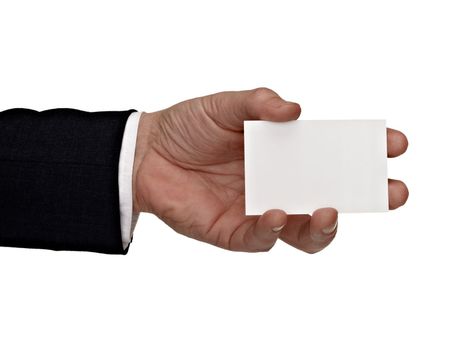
point(128, 220)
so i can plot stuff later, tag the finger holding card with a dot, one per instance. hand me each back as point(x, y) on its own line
point(311, 233)
point(334, 164)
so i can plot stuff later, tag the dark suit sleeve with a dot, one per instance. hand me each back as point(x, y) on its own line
point(59, 179)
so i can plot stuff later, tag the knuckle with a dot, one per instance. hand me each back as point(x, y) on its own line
point(209, 104)
point(262, 93)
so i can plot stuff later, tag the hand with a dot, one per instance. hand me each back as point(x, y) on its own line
point(189, 171)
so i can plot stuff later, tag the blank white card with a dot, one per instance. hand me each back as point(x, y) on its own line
point(300, 166)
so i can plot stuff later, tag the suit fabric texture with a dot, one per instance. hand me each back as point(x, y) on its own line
point(59, 179)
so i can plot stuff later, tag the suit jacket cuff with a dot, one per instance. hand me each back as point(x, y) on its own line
point(59, 179)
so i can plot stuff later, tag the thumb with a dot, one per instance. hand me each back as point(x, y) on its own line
point(231, 108)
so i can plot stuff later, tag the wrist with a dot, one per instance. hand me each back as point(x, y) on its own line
point(143, 145)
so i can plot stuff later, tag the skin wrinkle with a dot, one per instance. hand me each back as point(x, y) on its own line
point(194, 172)
point(206, 139)
point(208, 144)
point(235, 142)
point(212, 225)
point(210, 172)
point(250, 223)
point(197, 152)
point(186, 165)
point(164, 215)
point(169, 142)
point(213, 110)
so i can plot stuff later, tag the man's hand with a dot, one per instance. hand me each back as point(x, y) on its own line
point(189, 171)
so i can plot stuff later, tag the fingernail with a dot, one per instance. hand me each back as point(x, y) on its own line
point(277, 228)
point(330, 229)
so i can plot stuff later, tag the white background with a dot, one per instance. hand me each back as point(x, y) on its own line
point(388, 281)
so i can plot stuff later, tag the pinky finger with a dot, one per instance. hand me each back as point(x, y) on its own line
point(313, 233)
